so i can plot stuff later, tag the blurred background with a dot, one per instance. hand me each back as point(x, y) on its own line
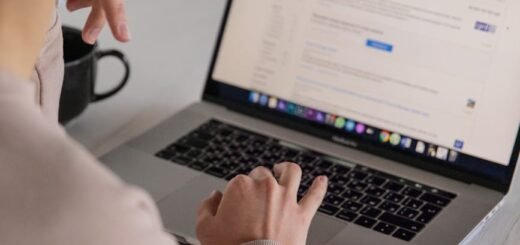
point(172, 43)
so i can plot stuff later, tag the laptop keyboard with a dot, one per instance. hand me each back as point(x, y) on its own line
point(356, 194)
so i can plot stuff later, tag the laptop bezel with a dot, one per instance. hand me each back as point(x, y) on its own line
point(212, 94)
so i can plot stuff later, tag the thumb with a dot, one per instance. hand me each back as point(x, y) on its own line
point(209, 207)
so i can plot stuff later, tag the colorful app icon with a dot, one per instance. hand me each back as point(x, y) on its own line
point(370, 131)
point(300, 111)
point(320, 117)
point(282, 105)
point(384, 136)
point(340, 122)
point(330, 119)
point(395, 139)
point(442, 153)
point(459, 144)
point(406, 143)
point(254, 97)
point(420, 147)
point(360, 128)
point(432, 151)
point(350, 126)
point(273, 103)
point(291, 108)
point(453, 156)
point(310, 114)
point(264, 99)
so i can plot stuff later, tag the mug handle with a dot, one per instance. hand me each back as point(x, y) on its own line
point(114, 53)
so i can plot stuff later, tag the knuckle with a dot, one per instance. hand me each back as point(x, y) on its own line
point(270, 184)
point(239, 180)
point(294, 167)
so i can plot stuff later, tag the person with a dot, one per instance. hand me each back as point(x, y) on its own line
point(52, 191)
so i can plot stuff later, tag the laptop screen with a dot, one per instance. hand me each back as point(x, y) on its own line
point(438, 80)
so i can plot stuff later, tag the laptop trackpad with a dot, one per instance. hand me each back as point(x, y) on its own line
point(323, 229)
point(179, 209)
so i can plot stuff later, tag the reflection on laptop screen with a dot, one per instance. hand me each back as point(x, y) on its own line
point(439, 78)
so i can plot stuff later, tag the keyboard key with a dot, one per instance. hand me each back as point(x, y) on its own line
point(182, 160)
point(408, 213)
point(358, 186)
point(352, 206)
point(305, 159)
point(340, 169)
point(437, 200)
point(375, 180)
point(371, 212)
point(347, 215)
point(179, 148)
point(323, 172)
point(393, 186)
point(217, 172)
point(195, 143)
point(324, 164)
point(394, 197)
point(431, 209)
point(357, 175)
point(340, 180)
point(404, 235)
point(401, 222)
point(389, 206)
point(328, 209)
point(447, 194)
point(375, 191)
point(365, 221)
point(412, 192)
point(199, 165)
point(370, 200)
point(385, 228)
point(335, 189)
point(352, 194)
point(413, 203)
point(334, 200)
point(194, 153)
point(425, 218)
point(166, 154)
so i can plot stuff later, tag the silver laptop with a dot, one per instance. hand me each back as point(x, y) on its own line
point(410, 108)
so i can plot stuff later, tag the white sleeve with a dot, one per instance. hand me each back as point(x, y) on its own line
point(52, 192)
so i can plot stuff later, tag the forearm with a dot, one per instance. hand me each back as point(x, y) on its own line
point(23, 26)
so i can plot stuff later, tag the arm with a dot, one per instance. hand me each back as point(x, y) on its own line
point(23, 26)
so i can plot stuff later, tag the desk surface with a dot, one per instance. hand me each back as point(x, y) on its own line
point(170, 53)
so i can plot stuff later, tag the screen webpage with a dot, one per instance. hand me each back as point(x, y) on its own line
point(445, 72)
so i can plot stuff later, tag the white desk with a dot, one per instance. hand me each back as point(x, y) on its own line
point(170, 52)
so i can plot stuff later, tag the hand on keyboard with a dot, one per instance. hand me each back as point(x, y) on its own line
point(258, 207)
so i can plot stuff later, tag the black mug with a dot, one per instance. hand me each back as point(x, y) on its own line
point(79, 82)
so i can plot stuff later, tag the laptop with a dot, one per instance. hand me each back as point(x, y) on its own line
point(410, 108)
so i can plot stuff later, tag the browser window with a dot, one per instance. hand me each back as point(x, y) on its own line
point(446, 72)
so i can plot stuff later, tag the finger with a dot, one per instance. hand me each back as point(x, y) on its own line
point(312, 200)
point(95, 23)
point(116, 16)
point(260, 173)
point(209, 207)
point(289, 175)
point(73, 5)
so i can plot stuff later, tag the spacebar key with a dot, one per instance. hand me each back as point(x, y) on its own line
point(401, 222)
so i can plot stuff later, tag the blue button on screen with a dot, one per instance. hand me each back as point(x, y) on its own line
point(380, 45)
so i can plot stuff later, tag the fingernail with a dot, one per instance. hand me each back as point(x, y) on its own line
point(124, 33)
point(93, 35)
point(213, 193)
point(323, 178)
